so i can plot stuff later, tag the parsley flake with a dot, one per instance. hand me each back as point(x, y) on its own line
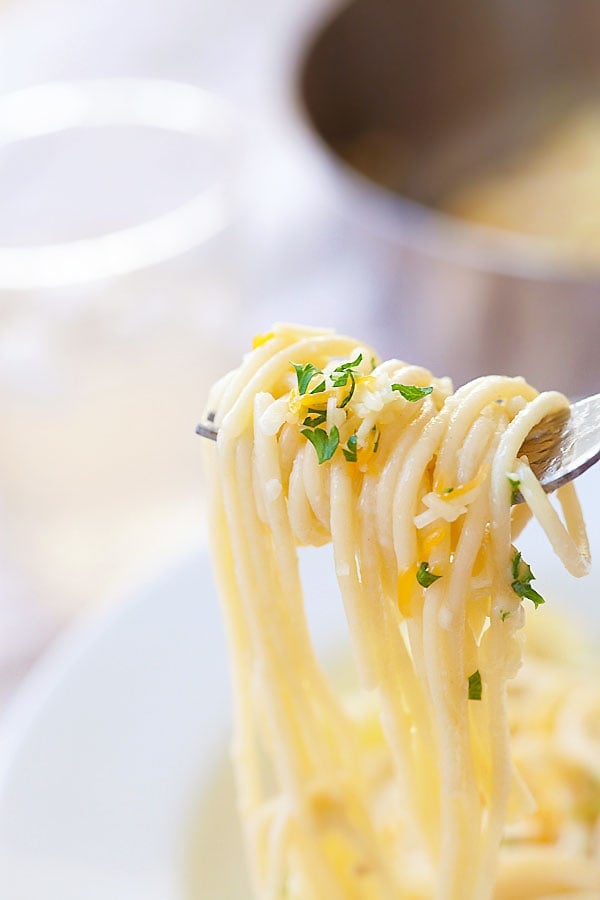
point(350, 452)
point(424, 576)
point(515, 485)
point(340, 379)
point(345, 367)
point(305, 374)
point(475, 686)
point(412, 393)
point(342, 374)
point(504, 614)
point(348, 396)
point(324, 444)
point(522, 578)
point(318, 417)
point(377, 439)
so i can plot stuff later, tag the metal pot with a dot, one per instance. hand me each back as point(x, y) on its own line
point(454, 82)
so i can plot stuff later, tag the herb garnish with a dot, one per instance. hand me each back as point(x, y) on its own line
point(475, 686)
point(319, 416)
point(305, 374)
point(345, 367)
point(350, 453)
point(504, 614)
point(515, 485)
point(325, 444)
point(348, 396)
point(412, 393)
point(340, 376)
point(424, 576)
point(522, 578)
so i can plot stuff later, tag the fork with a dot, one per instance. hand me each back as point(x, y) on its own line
point(559, 448)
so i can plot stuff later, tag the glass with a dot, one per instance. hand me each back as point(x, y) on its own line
point(118, 287)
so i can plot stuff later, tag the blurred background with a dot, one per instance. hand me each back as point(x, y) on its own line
point(174, 176)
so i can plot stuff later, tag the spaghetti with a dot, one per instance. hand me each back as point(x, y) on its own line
point(407, 789)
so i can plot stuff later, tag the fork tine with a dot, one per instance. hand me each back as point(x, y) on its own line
point(208, 431)
point(559, 448)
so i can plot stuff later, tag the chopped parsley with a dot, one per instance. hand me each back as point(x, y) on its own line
point(448, 490)
point(350, 452)
point(522, 578)
point(305, 374)
point(348, 396)
point(324, 444)
point(475, 686)
point(412, 393)
point(346, 367)
point(515, 485)
point(342, 374)
point(340, 379)
point(504, 614)
point(317, 417)
point(424, 576)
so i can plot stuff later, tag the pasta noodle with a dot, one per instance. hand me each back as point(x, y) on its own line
point(411, 787)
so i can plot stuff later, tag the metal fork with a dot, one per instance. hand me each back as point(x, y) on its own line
point(559, 448)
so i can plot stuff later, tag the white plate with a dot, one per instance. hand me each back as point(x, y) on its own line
point(111, 759)
point(112, 756)
point(100, 756)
